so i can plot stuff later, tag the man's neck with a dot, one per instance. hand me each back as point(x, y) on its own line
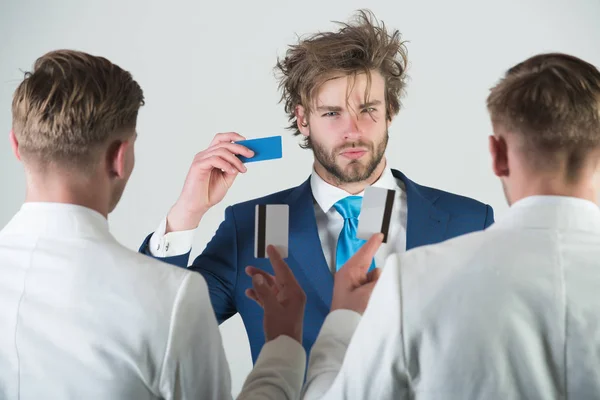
point(545, 187)
point(57, 190)
point(353, 187)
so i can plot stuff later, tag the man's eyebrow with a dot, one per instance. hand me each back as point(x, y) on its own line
point(371, 104)
point(329, 108)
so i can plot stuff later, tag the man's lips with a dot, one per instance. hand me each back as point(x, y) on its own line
point(353, 153)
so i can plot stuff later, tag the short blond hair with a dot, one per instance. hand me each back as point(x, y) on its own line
point(70, 104)
point(552, 101)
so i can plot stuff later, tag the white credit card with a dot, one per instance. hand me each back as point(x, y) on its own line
point(376, 212)
point(271, 227)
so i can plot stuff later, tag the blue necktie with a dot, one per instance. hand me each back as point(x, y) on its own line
point(348, 244)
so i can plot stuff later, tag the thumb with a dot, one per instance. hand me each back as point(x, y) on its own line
point(264, 292)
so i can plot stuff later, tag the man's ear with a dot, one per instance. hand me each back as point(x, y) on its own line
point(596, 177)
point(499, 153)
point(14, 144)
point(389, 120)
point(116, 158)
point(302, 120)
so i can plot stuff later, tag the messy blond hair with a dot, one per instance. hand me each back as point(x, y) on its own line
point(361, 46)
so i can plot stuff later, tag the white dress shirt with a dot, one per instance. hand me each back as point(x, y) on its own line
point(82, 317)
point(329, 222)
point(506, 313)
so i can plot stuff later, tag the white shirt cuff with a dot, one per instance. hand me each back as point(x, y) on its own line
point(170, 244)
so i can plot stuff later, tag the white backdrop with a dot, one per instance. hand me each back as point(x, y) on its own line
point(207, 67)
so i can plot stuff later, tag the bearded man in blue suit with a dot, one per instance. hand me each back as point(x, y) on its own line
point(341, 91)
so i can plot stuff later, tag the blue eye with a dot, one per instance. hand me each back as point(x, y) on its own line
point(330, 114)
point(369, 110)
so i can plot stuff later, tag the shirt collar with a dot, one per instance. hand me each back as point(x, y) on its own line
point(552, 212)
point(326, 195)
point(58, 219)
point(539, 200)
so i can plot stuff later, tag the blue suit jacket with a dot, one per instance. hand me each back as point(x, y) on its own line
point(433, 216)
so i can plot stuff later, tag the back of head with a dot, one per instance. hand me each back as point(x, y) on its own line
point(360, 46)
point(69, 107)
point(551, 104)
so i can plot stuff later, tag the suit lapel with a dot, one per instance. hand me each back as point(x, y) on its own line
point(305, 245)
point(426, 224)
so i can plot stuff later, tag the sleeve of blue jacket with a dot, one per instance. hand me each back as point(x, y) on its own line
point(489, 216)
point(217, 264)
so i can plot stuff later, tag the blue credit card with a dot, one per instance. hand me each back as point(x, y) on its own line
point(268, 148)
